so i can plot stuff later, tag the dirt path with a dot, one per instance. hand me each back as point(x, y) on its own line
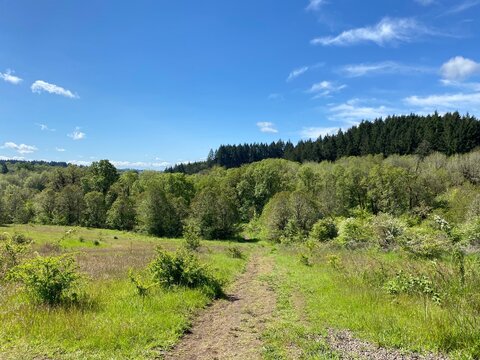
point(231, 328)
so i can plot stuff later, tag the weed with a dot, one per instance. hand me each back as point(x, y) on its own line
point(235, 252)
point(50, 280)
point(183, 268)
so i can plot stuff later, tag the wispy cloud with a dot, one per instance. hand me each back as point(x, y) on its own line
point(60, 149)
point(465, 5)
point(275, 97)
point(44, 127)
point(316, 132)
point(445, 101)
point(77, 134)
point(10, 78)
point(325, 88)
point(388, 30)
point(425, 2)
point(354, 111)
point(315, 5)
point(267, 127)
point(297, 72)
point(41, 86)
point(385, 67)
point(470, 86)
point(20, 148)
point(459, 68)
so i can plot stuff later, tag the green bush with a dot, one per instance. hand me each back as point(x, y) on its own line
point(471, 233)
point(355, 233)
point(183, 268)
point(419, 285)
point(425, 243)
point(324, 230)
point(235, 252)
point(389, 230)
point(49, 280)
point(12, 250)
point(192, 235)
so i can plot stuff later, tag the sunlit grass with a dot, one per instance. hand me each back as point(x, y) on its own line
point(351, 297)
point(113, 322)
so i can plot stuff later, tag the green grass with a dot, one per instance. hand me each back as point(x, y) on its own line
point(114, 323)
point(352, 296)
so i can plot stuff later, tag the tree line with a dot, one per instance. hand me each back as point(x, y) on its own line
point(449, 134)
point(276, 195)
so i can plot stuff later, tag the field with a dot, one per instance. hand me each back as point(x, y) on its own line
point(115, 323)
point(282, 302)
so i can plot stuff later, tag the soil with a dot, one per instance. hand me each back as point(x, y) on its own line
point(232, 327)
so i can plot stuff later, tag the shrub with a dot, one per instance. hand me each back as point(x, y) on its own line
point(192, 234)
point(355, 233)
point(324, 230)
point(183, 268)
point(471, 233)
point(416, 285)
point(235, 252)
point(389, 230)
point(425, 243)
point(12, 250)
point(50, 280)
point(141, 287)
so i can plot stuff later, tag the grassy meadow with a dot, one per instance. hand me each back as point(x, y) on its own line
point(113, 322)
point(318, 289)
point(341, 289)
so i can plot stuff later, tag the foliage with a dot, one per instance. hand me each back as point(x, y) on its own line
point(324, 230)
point(235, 252)
point(389, 230)
point(12, 250)
point(122, 214)
point(183, 268)
point(192, 235)
point(355, 233)
point(49, 280)
point(407, 134)
point(425, 243)
point(141, 287)
point(215, 210)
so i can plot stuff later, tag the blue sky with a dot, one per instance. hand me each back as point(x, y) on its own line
point(151, 83)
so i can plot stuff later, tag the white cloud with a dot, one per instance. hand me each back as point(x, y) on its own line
point(315, 5)
point(445, 101)
point(20, 148)
point(79, 162)
point(297, 72)
point(425, 2)
point(385, 67)
point(267, 127)
point(459, 68)
point(140, 164)
point(10, 78)
point(388, 30)
point(77, 134)
point(353, 111)
point(470, 86)
point(60, 149)
point(40, 86)
point(463, 6)
point(325, 88)
point(316, 132)
point(44, 127)
point(2, 157)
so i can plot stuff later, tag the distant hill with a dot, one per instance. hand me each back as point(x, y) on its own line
point(450, 134)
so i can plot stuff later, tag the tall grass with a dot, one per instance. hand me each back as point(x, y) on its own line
point(352, 295)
